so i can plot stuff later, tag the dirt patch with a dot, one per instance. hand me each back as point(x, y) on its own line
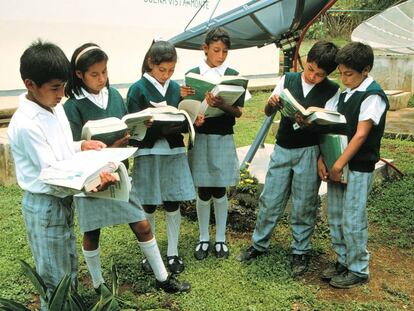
point(391, 280)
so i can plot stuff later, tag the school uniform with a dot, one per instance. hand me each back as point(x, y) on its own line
point(95, 213)
point(213, 158)
point(161, 172)
point(214, 163)
point(292, 170)
point(347, 214)
point(38, 139)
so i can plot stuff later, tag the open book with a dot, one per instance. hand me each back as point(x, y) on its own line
point(202, 84)
point(163, 114)
point(311, 114)
point(332, 146)
point(229, 93)
point(81, 173)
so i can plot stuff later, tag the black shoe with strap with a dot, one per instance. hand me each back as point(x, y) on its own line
point(347, 280)
point(300, 264)
point(175, 264)
point(146, 267)
point(201, 252)
point(333, 270)
point(249, 254)
point(171, 285)
point(221, 250)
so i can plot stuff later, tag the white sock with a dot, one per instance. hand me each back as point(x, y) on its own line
point(151, 219)
point(152, 253)
point(203, 215)
point(93, 262)
point(221, 207)
point(173, 231)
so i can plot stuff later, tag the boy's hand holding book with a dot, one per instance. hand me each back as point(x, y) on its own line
point(336, 173)
point(92, 145)
point(214, 101)
point(322, 170)
point(105, 180)
point(122, 142)
point(199, 121)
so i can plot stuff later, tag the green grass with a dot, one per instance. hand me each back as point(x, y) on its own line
point(228, 285)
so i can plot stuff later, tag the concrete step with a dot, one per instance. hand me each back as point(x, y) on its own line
point(398, 99)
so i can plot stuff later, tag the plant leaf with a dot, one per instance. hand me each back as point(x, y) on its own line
point(60, 294)
point(73, 304)
point(35, 278)
point(78, 300)
point(115, 279)
point(6, 304)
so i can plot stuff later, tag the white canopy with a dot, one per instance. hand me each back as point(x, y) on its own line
point(391, 30)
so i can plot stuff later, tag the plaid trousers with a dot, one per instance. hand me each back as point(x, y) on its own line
point(291, 172)
point(50, 231)
point(348, 223)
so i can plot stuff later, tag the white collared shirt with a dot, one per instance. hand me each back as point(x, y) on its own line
point(160, 88)
point(306, 88)
point(372, 107)
point(100, 99)
point(38, 139)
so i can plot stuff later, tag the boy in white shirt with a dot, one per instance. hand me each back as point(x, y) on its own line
point(39, 136)
point(364, 105)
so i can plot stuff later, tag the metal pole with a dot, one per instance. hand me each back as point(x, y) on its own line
point(261, 135)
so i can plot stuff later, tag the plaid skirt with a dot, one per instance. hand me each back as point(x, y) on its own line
point(160, 178)
point(213, 161)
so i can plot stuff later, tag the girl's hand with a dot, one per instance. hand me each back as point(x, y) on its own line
point(122, 142)
point(199, 121)
point(92, 145)
point(214, 101)
point(322, 170)
point(186, 91)
point(336, 173)
point(149, 123)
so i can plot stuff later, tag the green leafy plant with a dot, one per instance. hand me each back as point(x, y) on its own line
point(64, 297)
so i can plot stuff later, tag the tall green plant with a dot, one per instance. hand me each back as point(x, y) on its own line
point(64, 297)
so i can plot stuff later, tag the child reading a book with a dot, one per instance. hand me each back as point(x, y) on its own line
point(161, 174)
point(40, 137)
point(293, 163)
point(213, 160)
point(91, 98)
point(364, 105)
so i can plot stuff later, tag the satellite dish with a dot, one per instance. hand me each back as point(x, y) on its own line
point(391, 30)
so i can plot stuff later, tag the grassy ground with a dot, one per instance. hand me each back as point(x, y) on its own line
point(263, 285)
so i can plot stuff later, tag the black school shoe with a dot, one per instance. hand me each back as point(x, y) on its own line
point(333, 270)
point(171, 285)
point(249, 254)
point(175, 264)
point(347, 280)
point(199, 252)
point(146, 267)
point(221, 250)
point(300, 264)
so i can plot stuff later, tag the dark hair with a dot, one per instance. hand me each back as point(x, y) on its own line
point(82, 62)
point(323, 54)
point(356, 55)
point(44, 61)
point(218, 34)
point(159, 52)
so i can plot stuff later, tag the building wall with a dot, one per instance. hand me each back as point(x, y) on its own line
point(123, 29)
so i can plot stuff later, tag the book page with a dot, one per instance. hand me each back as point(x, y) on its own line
point(85, 164)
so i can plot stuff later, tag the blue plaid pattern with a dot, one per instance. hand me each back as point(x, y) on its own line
point(160, 178)
point(50, 230)
point(348, 221)
point(213, 161)
point(95, 213)
point(291, 172)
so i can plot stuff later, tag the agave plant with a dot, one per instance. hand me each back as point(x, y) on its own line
point(65, 297)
